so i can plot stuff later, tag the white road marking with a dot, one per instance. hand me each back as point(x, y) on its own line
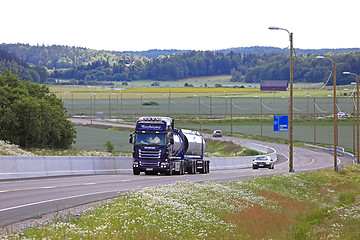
point(57, 199)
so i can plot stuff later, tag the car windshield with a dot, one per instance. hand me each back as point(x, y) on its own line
point(150, 139)
point(261, 158)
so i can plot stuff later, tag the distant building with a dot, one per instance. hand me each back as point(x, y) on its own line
point(274, 85)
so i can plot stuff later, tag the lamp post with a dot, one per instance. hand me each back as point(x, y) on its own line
point(354, 125)
point(335, 111)
point(314, 122)
point(357, 113)
point(291, 147)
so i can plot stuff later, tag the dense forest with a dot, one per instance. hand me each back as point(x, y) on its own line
point(86, 66)
point(16, 65)
point(242, 67)
point(57, 57)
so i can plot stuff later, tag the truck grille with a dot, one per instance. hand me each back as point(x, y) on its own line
point(149, 163)
point(149, 154)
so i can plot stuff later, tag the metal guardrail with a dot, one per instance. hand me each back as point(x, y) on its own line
point(340, 150)
point(16, 167)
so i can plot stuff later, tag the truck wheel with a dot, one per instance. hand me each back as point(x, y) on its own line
point(203, 170)
point(169, 172)
point(136, 172)
point(193, 168)
point(182, 169)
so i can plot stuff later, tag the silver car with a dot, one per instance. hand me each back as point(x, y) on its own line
point(217, 133)
point(263, 162)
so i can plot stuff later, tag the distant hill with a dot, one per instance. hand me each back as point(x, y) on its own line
point(21, 68)
point(57, 57)
point(60, 57)
point(249, 64)
point(269, 50)
point(154, 53)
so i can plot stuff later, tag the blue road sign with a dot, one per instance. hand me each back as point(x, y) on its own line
point(281, 123)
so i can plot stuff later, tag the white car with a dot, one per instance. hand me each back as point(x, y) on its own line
point(217, 133)
point(263, 162)
point(341, 114)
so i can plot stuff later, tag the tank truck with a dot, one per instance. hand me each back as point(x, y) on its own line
point(160, 148)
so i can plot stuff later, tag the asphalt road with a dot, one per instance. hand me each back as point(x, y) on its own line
point(25, 199)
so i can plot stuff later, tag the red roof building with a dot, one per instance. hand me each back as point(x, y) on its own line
point(274, 85)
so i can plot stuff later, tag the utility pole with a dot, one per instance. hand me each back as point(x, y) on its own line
point(199, 114)
point(109, 104)
point(261, 114)
point(169, 100)
point(210, 104)
point(91, 113)
point(141, 105)
point(231, 117)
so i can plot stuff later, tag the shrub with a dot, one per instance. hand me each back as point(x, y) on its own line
point(152, 103)
point(250, 152)
point(109, 146)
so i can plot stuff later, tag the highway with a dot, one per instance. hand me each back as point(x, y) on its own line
point(28, 198)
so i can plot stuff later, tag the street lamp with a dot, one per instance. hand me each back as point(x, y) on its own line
point(291, 147)
point(335, 112)
point(357, 112)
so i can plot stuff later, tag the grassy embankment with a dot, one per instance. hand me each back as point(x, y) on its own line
point(312, 205)
point(213, 149)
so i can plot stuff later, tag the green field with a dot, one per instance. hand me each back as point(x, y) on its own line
point(206, 106)
point(171, 98)
point(94, 139)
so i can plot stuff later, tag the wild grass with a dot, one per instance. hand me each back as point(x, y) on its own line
point(312, 205)
point(216, 148)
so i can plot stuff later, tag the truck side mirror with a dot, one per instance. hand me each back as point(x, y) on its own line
point(171, 141)
point(130, 138)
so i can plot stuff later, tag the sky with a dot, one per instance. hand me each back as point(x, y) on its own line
point(139, 25)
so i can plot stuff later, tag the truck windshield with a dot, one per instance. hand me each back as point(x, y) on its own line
point(151, 139)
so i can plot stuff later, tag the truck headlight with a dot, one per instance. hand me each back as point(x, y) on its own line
point(164, 164)
point(135, 164)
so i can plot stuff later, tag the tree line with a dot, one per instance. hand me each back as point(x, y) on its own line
point(86, 66)
point(59, 57)
point(242, 67)
point(10, 62)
